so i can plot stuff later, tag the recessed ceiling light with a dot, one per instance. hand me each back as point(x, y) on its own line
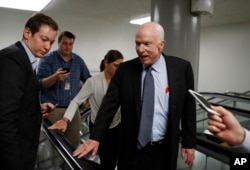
point(30, 5)
point(140, 21)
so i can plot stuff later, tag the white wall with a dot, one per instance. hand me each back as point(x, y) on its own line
point(224, 50)
point(225, 58)
point(93, 37)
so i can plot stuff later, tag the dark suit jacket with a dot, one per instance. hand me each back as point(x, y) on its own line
point(125, 90)
point(20, 115)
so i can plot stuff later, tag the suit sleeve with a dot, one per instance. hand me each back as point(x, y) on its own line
point(12, 76)
point(188, 118)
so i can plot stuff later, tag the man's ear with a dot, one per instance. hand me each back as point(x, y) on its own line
point(162, 44)
point(26, 33)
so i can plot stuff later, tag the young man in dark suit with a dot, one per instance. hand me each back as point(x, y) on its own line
point(173, 107)
point(20, 110)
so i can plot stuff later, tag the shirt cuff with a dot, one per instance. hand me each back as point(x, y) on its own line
point(245, 146)
point(71, 110)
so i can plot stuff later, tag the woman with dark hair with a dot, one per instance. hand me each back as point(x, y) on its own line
point(94, 89)
point(112, 55)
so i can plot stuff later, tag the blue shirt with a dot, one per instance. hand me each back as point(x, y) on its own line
point(57, 93)
point(161, 108)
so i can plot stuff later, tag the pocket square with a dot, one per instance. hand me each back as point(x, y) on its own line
point(167, 89)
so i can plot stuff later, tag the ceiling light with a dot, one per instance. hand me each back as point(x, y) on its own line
point(29, 5)
point(140, 21)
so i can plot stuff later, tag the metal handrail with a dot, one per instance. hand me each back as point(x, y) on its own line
point(65, 150)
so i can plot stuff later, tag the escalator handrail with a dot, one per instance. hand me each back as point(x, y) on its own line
point(65, 149)
point(227, 96)
point(213, 150)
point(244, 94)
point(234, 110)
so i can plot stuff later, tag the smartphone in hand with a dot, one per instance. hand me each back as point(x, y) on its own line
point(203, 102)
point(50, 109)
point(65, 69)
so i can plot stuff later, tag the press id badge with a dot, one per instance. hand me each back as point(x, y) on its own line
point(67, 86)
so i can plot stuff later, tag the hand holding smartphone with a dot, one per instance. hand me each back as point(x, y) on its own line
point(203, 102)
point(47, 111)
point(50, 109)
point(65, 69)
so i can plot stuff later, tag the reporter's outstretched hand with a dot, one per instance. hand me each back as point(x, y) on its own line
point(226, 127)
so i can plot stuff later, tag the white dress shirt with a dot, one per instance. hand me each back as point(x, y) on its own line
point(161, 109)
point(245, 146)
point(93, 89)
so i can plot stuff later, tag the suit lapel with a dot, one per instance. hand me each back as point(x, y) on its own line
point(172, 81)
point(137, 85)
point(19, 45)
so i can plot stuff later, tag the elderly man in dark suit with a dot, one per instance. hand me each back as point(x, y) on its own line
point(20, 109)
point(172, 107)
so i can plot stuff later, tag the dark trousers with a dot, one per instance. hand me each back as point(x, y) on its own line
point(108, 149)
point(154, 157)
